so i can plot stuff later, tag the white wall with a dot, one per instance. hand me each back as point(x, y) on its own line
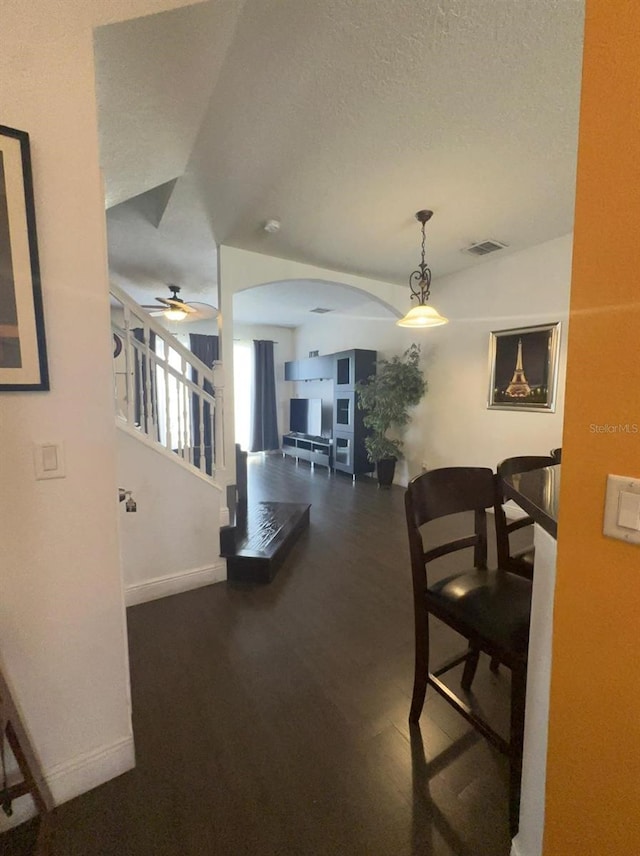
point(172, 542)
point(520, 290)
point(452, 425)
point(282, 351)
point(62, 622)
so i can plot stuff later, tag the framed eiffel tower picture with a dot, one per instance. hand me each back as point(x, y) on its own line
point(523, 368)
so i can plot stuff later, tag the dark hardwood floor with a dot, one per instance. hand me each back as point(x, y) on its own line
point(272, 720)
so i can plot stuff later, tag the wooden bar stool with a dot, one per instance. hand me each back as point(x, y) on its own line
point(32, 782)
point(490, 609)
point(517, 561)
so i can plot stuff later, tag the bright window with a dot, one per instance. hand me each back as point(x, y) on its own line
point(179, 416)
point(243, 391)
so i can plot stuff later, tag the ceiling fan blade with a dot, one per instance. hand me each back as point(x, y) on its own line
point(204, 311)
point(176, 303)
point(194, 310)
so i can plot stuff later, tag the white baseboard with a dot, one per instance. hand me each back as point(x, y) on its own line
point(71, 778)
point(175, 583)
point(77, 776)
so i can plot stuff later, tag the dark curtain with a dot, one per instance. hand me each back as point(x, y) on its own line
point(207, 350)
point(143, 415)
point(264, 426)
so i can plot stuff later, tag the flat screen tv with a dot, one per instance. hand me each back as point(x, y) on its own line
point(305, 416)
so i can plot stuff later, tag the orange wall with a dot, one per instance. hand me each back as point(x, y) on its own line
point(593, 768)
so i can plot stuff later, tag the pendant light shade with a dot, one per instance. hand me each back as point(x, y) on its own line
point(422, 315)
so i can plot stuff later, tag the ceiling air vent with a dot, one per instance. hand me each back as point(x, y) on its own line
point(482, 248)
point(320, 311)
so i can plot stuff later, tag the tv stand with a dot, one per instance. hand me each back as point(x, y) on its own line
point(316, 450)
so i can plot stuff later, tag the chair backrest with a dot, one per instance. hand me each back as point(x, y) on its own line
point(439, 493)
point(523, 464)
point(509, 467)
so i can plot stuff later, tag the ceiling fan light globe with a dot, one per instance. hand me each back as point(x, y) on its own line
point(422, 316)
point(175, 314)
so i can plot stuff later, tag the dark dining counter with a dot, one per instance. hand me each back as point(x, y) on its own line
point(536, 492)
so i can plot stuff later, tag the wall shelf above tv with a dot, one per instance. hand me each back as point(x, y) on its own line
point(313, 368)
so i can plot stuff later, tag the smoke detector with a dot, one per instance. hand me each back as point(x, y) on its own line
point(483, 248)
point(272, 226)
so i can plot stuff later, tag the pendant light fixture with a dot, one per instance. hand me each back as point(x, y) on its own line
point(422, 315)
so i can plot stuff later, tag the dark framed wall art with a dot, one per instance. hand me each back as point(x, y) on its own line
point(523, 368)
point(23, 353)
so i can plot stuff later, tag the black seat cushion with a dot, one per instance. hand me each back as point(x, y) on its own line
point(494, 605)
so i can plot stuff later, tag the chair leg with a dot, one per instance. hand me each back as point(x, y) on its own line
point(518, 699)
point(41, 797)
point(470, 668)
point(421, 664)
point(43, 841)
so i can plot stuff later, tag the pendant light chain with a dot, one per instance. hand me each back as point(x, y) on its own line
point(420, 279)
point(425, 273)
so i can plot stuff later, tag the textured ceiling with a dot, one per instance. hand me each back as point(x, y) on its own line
point(340, 118)
point(180, 249)
point(154, 78)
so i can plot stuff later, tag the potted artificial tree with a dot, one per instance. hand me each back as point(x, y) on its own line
point(386, 398)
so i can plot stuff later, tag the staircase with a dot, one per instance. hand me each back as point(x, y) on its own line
point(263, 540)
point(260, 534)
point(169, 416)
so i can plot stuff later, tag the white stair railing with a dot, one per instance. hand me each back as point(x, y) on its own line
point(163, 392)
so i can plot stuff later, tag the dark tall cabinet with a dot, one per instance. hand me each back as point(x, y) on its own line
point(349, 453)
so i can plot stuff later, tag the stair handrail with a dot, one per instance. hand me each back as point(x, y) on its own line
point(178, 438)
point(161, 331)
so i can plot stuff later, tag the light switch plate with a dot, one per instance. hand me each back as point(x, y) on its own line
point(629, 510)
point(48, 460)
point(618, 505)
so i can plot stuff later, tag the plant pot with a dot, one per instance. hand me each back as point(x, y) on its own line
point(386, 469)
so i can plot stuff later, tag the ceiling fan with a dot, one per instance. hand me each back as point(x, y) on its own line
point(174, 308)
